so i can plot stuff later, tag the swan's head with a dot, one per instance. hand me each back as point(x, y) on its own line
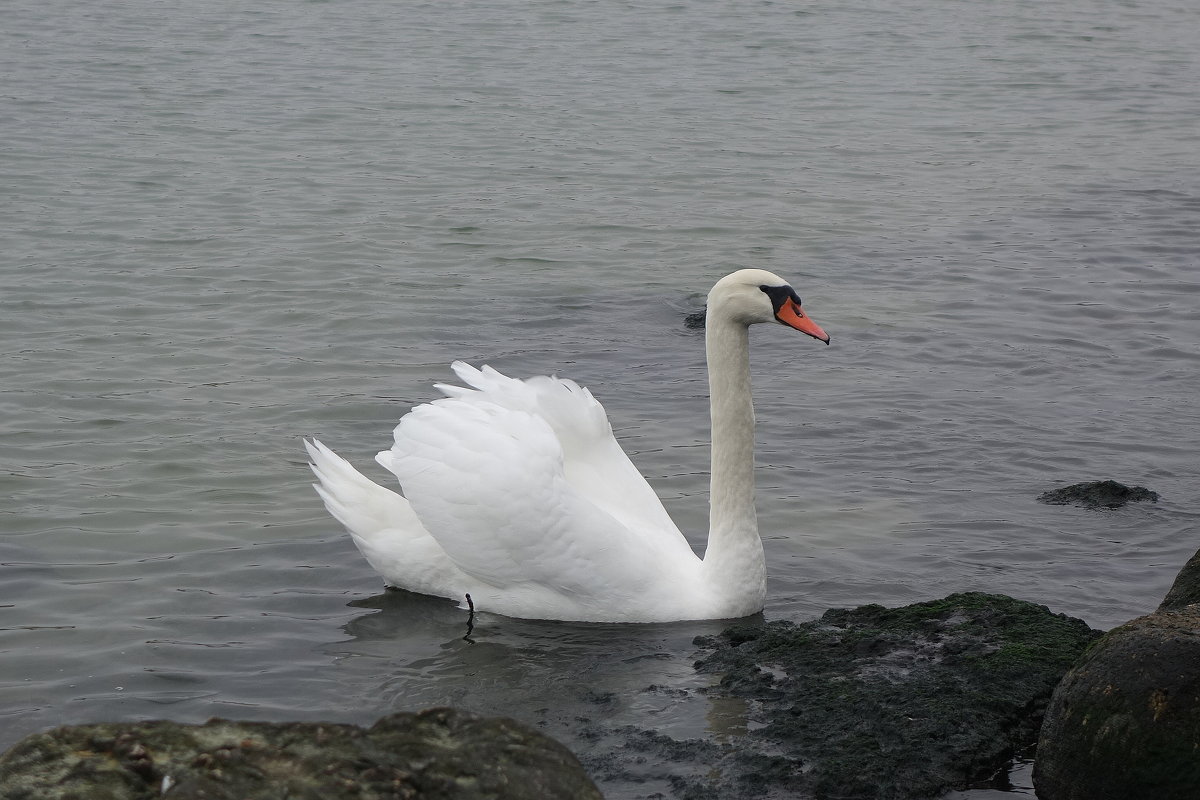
point(749, 296)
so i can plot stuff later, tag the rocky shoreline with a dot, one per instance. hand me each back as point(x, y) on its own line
point(863, 703)
point(870, 703)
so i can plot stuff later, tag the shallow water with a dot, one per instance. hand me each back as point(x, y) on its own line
point(229, 227)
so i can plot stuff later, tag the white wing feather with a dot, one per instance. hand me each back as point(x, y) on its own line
point(524, 487)
point(593, 462)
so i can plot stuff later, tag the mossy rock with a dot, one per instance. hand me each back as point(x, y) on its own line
point(887, 703)
point(440, 754)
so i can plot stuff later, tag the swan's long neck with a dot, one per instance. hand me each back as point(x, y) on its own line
point(733, 562)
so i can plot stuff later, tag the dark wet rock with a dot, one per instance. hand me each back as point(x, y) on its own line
point(878, 703)
point(1098, 494)
point(1125, 721)
point(440, 754)
point(1186, 589)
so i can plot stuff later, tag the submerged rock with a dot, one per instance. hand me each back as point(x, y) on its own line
point(440, 754)
point(886, 703)
point(1098, 494)
point(1125, 721)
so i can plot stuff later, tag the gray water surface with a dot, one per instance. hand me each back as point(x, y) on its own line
point(229, 226)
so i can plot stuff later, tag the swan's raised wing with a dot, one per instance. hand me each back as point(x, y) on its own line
point(489, 484)
point(593, 462)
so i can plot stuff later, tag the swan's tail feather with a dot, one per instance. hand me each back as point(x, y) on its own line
point(363, 506)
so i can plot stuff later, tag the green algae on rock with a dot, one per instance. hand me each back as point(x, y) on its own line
point(896, 703)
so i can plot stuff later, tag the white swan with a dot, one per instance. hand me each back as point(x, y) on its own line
point(519, 495)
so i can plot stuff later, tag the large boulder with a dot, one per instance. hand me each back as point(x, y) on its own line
point(1125, 722)
point(440, 754)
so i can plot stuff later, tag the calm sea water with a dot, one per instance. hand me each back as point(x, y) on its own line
point(227, 226)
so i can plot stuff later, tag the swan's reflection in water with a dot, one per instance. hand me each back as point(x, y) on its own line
point(587, 684)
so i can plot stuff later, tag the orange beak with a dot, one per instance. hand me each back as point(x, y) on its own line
point(791, 315)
